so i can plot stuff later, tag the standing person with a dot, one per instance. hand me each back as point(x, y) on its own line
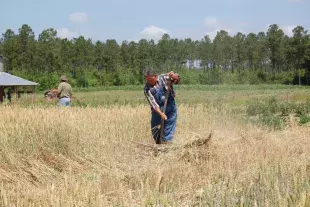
point(9, 94)
point(155, 90)
point(2, 94)
point(64, 92)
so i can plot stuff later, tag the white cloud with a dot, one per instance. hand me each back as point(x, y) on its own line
point(213, 33)
point(288, 30)
point(66, 33)
point(210, 21)
point(267, 27)
point(78, 17)
point(153, 32)
point(215, 26)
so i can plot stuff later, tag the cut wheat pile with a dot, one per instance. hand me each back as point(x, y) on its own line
point(106, 157)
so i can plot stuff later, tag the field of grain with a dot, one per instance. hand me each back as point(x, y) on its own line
point(100, 152)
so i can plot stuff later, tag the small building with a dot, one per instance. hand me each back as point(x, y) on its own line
point(12, 82)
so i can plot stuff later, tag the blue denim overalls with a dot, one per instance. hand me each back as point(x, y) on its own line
point(65, 101)
point(159, 94)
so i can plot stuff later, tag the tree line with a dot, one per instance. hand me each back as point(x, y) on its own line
point(265, 57)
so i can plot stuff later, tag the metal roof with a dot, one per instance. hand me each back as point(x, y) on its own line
point(12, 80)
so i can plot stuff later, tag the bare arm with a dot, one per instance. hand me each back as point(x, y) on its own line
point(160, 113)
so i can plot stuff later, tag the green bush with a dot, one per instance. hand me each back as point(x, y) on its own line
point(272, 121)
point(308, 104)
point(301, 109)
point(127, 77)
point(304, 119)
point(265, 106)
point(287, 108)
point(283, 78)
point(262, 76)
point(191, 77)
point(254, 107)
point(46, 80)
point(272, 105)
point(270, 111)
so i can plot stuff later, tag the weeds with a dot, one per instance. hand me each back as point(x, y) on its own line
point(271, 112)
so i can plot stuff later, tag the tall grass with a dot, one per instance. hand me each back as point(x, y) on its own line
point(105, 156)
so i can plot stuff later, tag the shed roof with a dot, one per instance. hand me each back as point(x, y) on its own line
point(7, 79)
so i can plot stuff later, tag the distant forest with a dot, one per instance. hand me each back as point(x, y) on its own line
point(265, 58)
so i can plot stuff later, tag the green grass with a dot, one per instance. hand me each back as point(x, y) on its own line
point(235, 95)
point(263, 104)
point(232, 95)
point(200, 87)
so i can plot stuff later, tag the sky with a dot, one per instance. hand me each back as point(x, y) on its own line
point(133, 20)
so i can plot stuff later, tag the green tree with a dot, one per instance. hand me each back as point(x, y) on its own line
point(205, 52)
point(300, 39)
point(26, 40)
point(47, 54)
point(105, 63)
point(164, 51)
point(111, 54)
point(262, 52)
point(67, 56)
point(223, 50)
point(250, 49)
point(275, 37)
point(124, 54)
point(99, 59)
point(239, 50)
point(10, 48)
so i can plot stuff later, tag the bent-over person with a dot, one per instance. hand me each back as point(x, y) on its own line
point(155, 90)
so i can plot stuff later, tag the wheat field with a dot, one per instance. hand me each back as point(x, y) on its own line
point(105, 156)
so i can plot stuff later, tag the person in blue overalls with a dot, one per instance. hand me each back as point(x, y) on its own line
point(155, 90)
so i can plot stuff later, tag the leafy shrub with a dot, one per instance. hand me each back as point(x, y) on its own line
point(272, 121)
point(287, 108)
point(272, 105)
point(192, 77)
point(265, 106)
point(270, 111)
point(254, 107)
point(304, 119)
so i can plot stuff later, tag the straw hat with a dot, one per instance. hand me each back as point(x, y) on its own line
point(63, 78)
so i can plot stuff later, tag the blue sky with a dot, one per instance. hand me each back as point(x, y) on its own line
point(136, 19)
